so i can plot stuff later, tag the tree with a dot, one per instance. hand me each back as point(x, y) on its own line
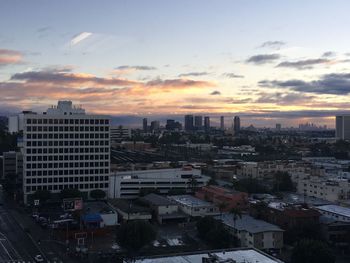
point(42, 195)
point(283, 182)
point(193, 183)
point(236, 213)
point(250, 185)
point(97, 194)
point(134, 235)
point(213, 232)
point(70, 193)
point(312, 251)
point(222, 206)
point(212, 181)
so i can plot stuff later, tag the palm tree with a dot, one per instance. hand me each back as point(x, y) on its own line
point(236, 213)
point(193, 183)
point(222, 206)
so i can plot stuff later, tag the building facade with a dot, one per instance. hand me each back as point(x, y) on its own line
point(189, 123)
point(207, 123)
point(342, 127)
point(65, 148)
point(236, 124)
point(129, 184)
point(120, 133)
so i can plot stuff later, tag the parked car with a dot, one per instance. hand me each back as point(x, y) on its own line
point(39, 258)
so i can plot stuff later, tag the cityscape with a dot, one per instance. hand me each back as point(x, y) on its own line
point(174, 131)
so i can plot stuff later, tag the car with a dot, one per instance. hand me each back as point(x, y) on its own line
point(39, 258)
point(115, 246)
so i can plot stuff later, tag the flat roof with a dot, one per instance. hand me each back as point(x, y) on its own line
point(158, 200)
point(129, 206)
point(336, 209)
point(248, 223)
point(189, 200)
point(99, 207)
point(239, 255)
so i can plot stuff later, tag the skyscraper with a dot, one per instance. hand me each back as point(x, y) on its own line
point(64, 148)
point(342, 127)
point(222, 123)
point(155, 126)
point(278, 126)
point(207, 123)
point(144, 125)
point(236, 124)
point(188, 122)
point(198, 122)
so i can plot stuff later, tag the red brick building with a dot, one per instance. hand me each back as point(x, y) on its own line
point(220, 195)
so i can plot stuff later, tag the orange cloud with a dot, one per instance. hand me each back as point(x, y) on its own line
point(8, 57)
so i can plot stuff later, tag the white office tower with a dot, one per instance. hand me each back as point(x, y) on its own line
point(65, 148)
point(342, 125)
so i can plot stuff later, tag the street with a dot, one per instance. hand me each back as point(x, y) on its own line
point(15, 244)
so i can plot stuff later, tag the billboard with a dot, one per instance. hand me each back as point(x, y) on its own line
point(72, 204)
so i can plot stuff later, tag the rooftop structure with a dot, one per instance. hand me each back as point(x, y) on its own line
point(336, 212)
point(219, 195)
point(254, 233)
point(194, 206)
point(129, 184)
point(242, 255)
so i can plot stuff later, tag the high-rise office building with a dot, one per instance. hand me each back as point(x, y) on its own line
point(155, 126)
point(198, 122)
point(207, 123)
point(278, 126)
point(172, 125)
point(342, 127)
point(236, 124)
point(222, 123)
point(65, 148)
point(144, 125)
point(188, 122)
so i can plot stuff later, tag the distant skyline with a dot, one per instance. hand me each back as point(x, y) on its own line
point(268, 61)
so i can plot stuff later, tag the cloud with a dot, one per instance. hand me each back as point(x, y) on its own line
point(272, 44)
point(126, 67)
point(329, 54)
point(263, 58)
point(215, 92)
point(335, 83)
point(232, 75)
point(10, 57)
point(79, 38)
point(280, 98)
point(193, 74)
point(303, 64)
point(55, 77)
point(183, 83)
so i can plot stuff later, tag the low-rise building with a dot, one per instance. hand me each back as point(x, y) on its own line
point(335, 212)
point(12, 164)
point(193, 206)
point(239, 255)
point(222, 196)
point(254, 233)
point(332, 190)
point(129, 184)
point(289, 216)
point(119, 133)
point(100, 214)
point(129, 210)
point(164, 209)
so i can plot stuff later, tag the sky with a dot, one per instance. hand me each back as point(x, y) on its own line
point(269, 61)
